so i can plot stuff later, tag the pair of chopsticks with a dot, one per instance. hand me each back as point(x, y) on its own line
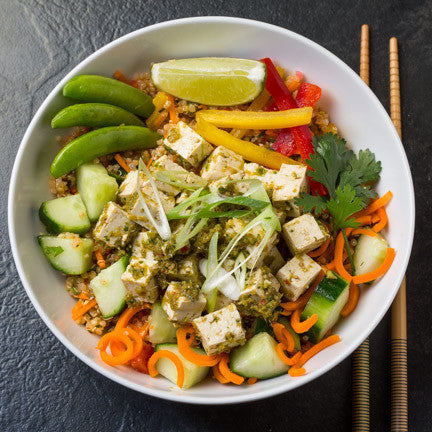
point(399, 377)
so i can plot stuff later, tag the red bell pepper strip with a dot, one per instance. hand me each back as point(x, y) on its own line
point(307, 95)
point(271, 107)
point(284, 143)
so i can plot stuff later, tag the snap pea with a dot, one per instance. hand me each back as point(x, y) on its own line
point(94, 115)
point(100, 142)
point(95, 88)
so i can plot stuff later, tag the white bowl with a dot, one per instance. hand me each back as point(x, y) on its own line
point(353, 107)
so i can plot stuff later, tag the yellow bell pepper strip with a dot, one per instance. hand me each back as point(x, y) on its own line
point(249, 151)
point(257, 119)
point(159, 102)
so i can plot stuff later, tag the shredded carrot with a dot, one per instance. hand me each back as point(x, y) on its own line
point(174, 118)
point(364, 220)
point(122, 357)
point(290, 361)
point(304, 326)
point(339, 259)
point(128, 313)
point(317, 348)
point(136, 339)
point(122, 162)
point(226, 372)
point(375, 218)
point(369, 277)
point(171, 356)
point(360, 231)
point(375, 205)
point(83, 296)
point(285, 312)
point(351, 304)
point(149, 162)
point(271, 133)
point(189, 354)
point(296, 371)
point(331, 265)
point(160, 119)
point(100, 259)
point(118, 75)
point(382, 214)
point(252, 380)
point(283, 336)
point(80, 308)
point(142, 331)
point(318, 252)
point(218, 375)
point(301, 302)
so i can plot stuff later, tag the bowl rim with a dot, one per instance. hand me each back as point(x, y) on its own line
point(183, 397)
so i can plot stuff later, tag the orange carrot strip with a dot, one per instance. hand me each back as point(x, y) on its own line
point(318, 252)
point(295, 371)
point(301, 302)
point(100, 259)
point(286, 312)
point(283, 336)
point(252, 380)
point(226, 372)
point(360, 231)
point(80, 309)
point(351, 304)
point(123, 357)
point(189, 354)
point(149, 162)
point(316, 349)
point(83, 296)
point(338, 260)
point(160, 119)
point(118, 75)
point(382, 214)
point(331, 265)
point(128, 313)
point(375, 218)
point(136, 339)
point(364, 220)
point(375, 205)
point(169, 355)
point(218, 375)
point(174, 118)
point(304, 326)
point(122, 162)
point(368, 277)
point(290, 361)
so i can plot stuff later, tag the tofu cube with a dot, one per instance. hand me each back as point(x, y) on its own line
point(273, 260)
point(128, 186)
point(221, 301)
point(150, 240)
point(183, 141)
point(304, 234)
point(281, 210)
point(290, 182)
point(221, 163)
point(114, 227)
point(261, 294)
point(266, 176)
point(221, 330)
point(138, 279)
point(231, 189)
point(183, 301)
point(296, 276)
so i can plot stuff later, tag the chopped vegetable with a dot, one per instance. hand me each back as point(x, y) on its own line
point(171, 356)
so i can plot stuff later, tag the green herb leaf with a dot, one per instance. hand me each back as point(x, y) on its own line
point(309, 203)
point(367, 165)
point(344, 206)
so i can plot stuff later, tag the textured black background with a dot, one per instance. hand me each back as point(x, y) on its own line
point(43, 386)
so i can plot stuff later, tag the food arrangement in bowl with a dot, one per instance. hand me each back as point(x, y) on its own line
point(210, 220)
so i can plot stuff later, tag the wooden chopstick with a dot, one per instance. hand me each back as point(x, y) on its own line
point(360, 359)
point(399, 373)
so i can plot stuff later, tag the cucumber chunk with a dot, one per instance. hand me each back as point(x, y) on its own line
point(96, 188)
point(369, 253)
point(67, 214)
point(108, 288)
point(257, 358)
point(286, 322)
point(193, 373)
point(71, 255)
point(327, 301)
point(161, 328)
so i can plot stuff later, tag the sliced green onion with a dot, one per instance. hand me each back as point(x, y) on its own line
point(240, 273)
point(191, 228)
point(161, 226)
point(179, 179)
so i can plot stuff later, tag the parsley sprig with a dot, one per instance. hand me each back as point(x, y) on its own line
point(347, 177)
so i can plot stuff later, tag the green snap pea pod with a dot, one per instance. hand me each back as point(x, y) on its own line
point(94, 115)
point(95, 88)
point(100, 142)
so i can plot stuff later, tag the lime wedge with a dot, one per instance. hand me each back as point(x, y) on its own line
point(211, 80)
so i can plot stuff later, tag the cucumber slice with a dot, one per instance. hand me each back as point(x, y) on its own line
point(327, 301)
point(96, 188)
point(108, 288)
point(71, 255)
point(161, 328)
point(369, 253)
point(193, 373)
point(67, 214)
point(286, 322)
point(258, 358)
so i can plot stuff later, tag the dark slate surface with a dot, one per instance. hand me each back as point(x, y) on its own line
point(43, 387)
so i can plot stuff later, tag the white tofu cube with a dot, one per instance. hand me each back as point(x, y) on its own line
point(221, 301)
point(150, 240)
point(128, 186)
point(296, 276)
point(261, 294)
point(221, 330)
point(183, 141)
point(224, 186)
point(266, 176)
point(273, 260)
point(221, 163)
point(139, 281)
point(183, 301)
point(114, 227)
point(304, 234)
